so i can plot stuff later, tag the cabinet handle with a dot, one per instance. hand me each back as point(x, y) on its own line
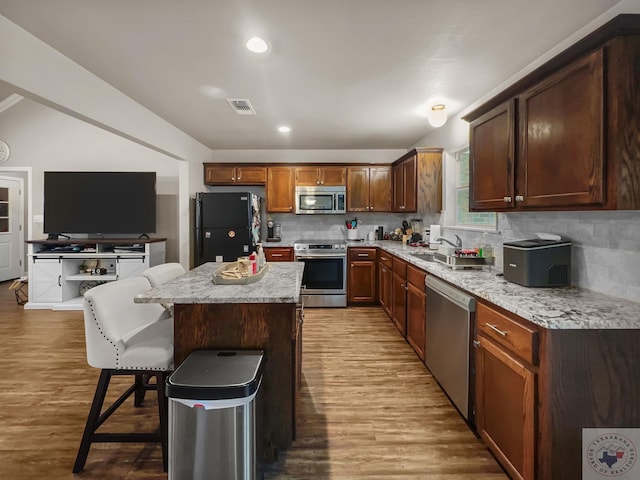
point(363, 254)
point(507, 199)
point(519, 198)
point(476, 343)
point(401, 207)
point(496, 329)
point(239, 175)
point(276, 254)
point(59, 280)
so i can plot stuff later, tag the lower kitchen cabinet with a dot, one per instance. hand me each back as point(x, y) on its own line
point(506, 390)
point(505, 408)
point(385, 278)
point(416, 312)
point(361, 287)
point(399, 295)
point(278, 254)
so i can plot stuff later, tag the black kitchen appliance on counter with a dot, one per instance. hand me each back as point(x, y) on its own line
point(538, 262)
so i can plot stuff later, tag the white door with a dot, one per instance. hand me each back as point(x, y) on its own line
point(11, 233)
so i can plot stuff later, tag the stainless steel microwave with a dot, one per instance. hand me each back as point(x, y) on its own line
point(320, 200)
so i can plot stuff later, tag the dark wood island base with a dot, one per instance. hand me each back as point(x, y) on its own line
point(270, 327)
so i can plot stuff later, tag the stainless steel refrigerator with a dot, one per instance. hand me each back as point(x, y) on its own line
point(227, 226)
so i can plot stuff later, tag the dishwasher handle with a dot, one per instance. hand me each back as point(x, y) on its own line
point(467, 302)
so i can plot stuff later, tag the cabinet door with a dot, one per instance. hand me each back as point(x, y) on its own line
point(219, 175)
point(561, 157)
point(131, 267)
point(380, 189)
point(398, 188)
point(416, 313)
point(251, 175)
point(505, 408)
point(410, 178)
point(307, 176)
point(491, 159)
point(358, 189)
point(45, 280)
point(429, 182)
point(362, 282)
point(384, 287)
point(279, 191)
point(333, 176)
point(399, 303)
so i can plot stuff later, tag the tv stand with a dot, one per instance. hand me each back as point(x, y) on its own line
point(55, 278)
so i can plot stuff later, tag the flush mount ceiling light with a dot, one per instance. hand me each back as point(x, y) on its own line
point(257, 45)
point(284, 129)
point(437, 115)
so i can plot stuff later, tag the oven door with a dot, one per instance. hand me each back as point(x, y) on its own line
point(324, 274)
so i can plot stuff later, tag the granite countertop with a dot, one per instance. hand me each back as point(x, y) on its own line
point(554, 308)
point(280, 284)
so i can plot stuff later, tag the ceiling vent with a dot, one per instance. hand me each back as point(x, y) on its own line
point(241, 106)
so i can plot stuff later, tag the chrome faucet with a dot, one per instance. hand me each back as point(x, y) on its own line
point(458, 243)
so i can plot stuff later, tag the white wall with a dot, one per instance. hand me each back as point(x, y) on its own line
point(37, 71)
point(45, 139)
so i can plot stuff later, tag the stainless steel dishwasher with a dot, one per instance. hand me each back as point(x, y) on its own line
point(449, 317)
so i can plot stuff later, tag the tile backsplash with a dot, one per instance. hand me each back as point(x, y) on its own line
point(605, 251)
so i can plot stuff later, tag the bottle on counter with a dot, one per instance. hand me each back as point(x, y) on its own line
point(253, 258)
point(262, 260)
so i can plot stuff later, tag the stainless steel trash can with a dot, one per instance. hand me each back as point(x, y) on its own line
point(212, 415)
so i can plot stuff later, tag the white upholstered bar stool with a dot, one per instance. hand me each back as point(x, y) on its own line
point(126, 338)
point(163, 273)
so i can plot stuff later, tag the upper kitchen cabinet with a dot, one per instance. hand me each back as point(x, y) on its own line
point(280, 188)
point(565, 136)
point(226, 174)
point(326, 176)
point(491, 168)
point(369, 189)
point(417, 181)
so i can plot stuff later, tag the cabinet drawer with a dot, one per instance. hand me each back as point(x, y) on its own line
point(278, 254)
point(362, 254)
point(400, 267)
point(520, 339)
point(384, 258)
point(416, 276)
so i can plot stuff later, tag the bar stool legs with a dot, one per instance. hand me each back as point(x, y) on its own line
point(96, 418)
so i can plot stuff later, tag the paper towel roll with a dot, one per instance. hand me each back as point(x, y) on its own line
point(434, 232)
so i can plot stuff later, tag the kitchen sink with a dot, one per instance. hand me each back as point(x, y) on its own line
point(426, 256)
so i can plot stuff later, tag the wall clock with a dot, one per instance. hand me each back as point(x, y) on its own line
point(4, 152)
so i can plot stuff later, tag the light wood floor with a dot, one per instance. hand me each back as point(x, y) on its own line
point(369, 408)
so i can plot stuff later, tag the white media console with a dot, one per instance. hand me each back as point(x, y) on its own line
point(57, 268)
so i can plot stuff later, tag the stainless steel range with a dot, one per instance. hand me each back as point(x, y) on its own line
point(324, 282)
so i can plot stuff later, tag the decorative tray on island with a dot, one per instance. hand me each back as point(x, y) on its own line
point(232, 273)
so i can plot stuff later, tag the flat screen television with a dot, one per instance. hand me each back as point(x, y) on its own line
point(99, 202)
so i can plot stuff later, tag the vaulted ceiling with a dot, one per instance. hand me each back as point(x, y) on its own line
point(342, 74)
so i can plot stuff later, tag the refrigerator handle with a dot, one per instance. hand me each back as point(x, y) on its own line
point(198, 212)
point(199, 252)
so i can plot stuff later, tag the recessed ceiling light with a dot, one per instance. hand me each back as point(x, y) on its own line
point(257, 45)
point(284, 129)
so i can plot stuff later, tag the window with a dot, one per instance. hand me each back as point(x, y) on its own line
point(463, 217)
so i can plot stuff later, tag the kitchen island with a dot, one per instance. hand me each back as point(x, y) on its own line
point(262, 315)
